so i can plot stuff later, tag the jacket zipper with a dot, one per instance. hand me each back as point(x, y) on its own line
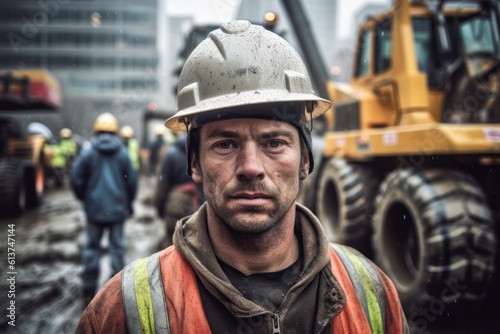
point(276, 324)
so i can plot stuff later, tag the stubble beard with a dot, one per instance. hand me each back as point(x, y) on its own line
point(247, 221)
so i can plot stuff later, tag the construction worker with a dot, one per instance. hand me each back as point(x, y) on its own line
point(155, 148)
point(250, 259)
point(105, 180)
point(176, 195)
point(55, 163)
point(53, 156)
point(68, 147)
point(132, 145)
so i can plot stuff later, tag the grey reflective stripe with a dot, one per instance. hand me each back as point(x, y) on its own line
point(129, 300)
point(139, 318)
point(355, 279)
point(367, 285)
point(158, 295)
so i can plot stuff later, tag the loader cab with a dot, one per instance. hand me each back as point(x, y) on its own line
point(472, 69)
point(455, 47)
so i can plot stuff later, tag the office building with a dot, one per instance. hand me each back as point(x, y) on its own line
point(103, 52)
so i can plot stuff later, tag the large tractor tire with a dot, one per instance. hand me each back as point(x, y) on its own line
point(12, 190)
point(434, 237)
point(35, 184)
point(345, 196)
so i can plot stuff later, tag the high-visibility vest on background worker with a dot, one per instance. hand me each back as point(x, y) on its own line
point(55, 155)
point(68, 148)
point(133, 152)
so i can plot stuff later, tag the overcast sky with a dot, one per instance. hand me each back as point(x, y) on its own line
point(214, 11)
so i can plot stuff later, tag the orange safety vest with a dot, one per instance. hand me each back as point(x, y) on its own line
point(146, 309)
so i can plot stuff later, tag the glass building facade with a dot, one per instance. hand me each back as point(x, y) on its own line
point(103, 52)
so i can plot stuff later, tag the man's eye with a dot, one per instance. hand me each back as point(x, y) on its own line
point(225, 145)
point(274, 143)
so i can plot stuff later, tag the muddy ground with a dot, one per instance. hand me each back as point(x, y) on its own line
point(48, 242)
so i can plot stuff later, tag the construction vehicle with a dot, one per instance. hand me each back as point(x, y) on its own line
point(22, 166)
point(409, 173)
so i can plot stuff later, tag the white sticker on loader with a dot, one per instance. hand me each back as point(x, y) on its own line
point(492, 134)
point(390, 138)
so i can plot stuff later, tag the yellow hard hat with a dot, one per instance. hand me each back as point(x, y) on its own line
point(159, 129)
point(126, 131)
point(106, 123)
point(65, 133)
point(177, 131)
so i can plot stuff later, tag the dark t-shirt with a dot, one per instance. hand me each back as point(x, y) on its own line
point(265, 289)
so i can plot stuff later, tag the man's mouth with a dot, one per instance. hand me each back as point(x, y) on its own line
point(250, 195)
point(251, 198)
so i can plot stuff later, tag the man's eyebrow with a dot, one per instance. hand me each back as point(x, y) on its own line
point(222, 133)
point(275, 134)
point(265, 135)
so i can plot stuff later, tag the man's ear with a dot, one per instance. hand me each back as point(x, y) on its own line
point(304, 166)
point(196, 173)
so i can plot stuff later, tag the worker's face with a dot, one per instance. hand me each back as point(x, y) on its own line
point(250, 170)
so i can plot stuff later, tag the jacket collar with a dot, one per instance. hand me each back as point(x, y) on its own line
point(192, 240)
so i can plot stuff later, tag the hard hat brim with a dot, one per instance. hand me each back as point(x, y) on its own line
point(247, 98)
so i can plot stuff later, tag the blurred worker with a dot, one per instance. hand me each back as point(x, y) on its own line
point(37, 128)
point(68, 147)
point(55, 164)
point(155, 147)
point(132, 145)
point(104, 178)
point(177, 195)
point(251, 259)
point(54, 159)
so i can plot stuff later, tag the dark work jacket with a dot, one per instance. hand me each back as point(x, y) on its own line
point(173, 173)
point(154, 150)
point(105, 180)
point(200, 297)
point(174, 163)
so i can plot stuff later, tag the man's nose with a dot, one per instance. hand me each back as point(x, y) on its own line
point(250, 164)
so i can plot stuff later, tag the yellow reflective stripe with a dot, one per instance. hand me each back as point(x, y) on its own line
point(143, 296)
point(374, 312)
point(379, 289)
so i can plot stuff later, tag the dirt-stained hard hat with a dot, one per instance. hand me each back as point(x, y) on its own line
point(106, 123)
point(126, 131)
point(239, 65)
point(65, 133)
point(242, 70)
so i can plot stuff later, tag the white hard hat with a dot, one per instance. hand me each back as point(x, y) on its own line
point(240, 65)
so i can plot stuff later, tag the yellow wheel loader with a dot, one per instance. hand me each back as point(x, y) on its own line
point(410, 163)
point(22, 162)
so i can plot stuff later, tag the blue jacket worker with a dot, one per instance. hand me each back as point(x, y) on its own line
point(177, 195)
point(104, 179)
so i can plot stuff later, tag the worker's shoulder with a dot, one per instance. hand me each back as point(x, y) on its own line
point(108, 311)
point(364, 272)
point(355, 263)
point(105, 313)
point(112, 290)
point(152, 264)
